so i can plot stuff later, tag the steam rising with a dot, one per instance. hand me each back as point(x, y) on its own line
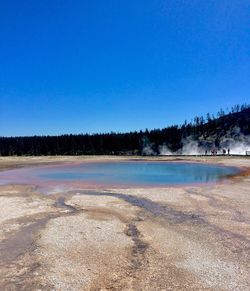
point(233, 140)
point(164, 150)
point(147, 149)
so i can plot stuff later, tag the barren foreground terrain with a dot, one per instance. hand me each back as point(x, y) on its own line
point(173, 238)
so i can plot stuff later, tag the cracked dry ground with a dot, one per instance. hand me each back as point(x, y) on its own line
point(190, 238)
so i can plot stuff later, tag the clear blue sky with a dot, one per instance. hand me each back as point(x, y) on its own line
point(98, 66)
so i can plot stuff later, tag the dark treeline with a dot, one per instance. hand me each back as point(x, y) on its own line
point(132, 143)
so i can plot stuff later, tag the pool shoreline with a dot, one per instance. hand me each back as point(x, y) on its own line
point(241, 172)
point(194, 237)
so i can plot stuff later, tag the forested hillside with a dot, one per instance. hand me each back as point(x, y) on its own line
point(226, 130)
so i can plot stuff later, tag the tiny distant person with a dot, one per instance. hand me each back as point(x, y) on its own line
point(205, 152)
point(224, 151)
point(228, 151)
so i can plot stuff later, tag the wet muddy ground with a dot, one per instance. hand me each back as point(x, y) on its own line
point(173, 238)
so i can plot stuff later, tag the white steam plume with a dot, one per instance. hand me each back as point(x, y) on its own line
point(164, 150)
point(233, 139)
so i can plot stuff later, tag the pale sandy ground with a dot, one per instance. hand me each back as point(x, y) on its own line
point(174, 238)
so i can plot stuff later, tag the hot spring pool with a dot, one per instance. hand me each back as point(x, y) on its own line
point(123, 173)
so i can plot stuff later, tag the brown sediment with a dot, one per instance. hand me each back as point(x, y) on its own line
point(244, 172)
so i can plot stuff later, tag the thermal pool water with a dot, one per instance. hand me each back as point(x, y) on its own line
point(122, 173)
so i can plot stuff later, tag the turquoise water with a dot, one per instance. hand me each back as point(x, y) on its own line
point(130, 173)
point(138, 173)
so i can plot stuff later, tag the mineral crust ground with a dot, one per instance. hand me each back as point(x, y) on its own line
point(193, 237)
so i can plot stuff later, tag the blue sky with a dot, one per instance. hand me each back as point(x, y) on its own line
point(100, 66)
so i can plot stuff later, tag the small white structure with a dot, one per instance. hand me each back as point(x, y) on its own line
point(247, 153)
